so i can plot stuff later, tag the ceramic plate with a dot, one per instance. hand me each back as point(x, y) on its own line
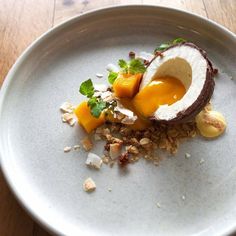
point(196, 197)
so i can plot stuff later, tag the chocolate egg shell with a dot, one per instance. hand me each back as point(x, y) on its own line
point(191, 66)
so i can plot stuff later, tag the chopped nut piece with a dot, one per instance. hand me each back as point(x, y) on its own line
point(115, 150)
point(76, 147)
point(72, 122)
point(67, 107)
point(187, 155)
point(123, 159)
point(67, 149)
point(89, 185)
point(93, 160)
point(134, 142)
point(105, 159)
point(87, 144)
point(144, 141)
point(132, 149)
point(201, 161)
point(67, 117)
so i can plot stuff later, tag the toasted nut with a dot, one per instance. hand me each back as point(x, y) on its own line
point(89, 185)
point(93, 160)
point(144, 141)
point(187, 155)
point(76, 147)
point(115, 150)
point(132, 149)
point(67, 149)
point(67, 107)
point(123, 159)
point(87, 144)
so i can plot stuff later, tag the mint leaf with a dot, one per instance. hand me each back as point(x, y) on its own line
point(136, 66)
point(179, 40)
point(92, 101)
point(133, 67)
point(112, 77)
point(86, 88)
point(164, 46)
point(97, 108)
point(123, 64)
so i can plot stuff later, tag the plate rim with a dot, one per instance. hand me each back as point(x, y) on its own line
point(6, 171)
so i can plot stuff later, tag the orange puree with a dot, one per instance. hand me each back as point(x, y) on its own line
point(160, 91)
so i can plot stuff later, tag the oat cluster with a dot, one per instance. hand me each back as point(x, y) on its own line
point(127, 146)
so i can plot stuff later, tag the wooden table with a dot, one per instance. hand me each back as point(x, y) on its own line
point(21, 22)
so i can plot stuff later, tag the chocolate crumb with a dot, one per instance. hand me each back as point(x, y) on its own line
point(123, 159)
point(146, 62)
point(131, 54)
point(215, 71)
point(158, 54)
point(107, 146)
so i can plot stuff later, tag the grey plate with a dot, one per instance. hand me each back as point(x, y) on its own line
point(48, 182)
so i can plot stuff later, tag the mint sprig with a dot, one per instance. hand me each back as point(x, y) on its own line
point(95, 104)
point(86, 88)
point(112, 77)
point(134, 66)
point(164, 46)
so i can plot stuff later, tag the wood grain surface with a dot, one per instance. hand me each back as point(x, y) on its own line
point(21, 22)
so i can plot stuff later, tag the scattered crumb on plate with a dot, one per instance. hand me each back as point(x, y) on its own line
point(67, 149)
point(201, 161)
point(89, 185)
point(187, 155)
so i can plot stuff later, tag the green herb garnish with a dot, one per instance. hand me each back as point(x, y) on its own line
point(164, 46)
point(134, 66)
point(112, 77)
point(123, 64)
point(86, 88)
point(96, 104)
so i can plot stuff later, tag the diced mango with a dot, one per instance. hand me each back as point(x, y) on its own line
point(86, 119)
point(126, 85)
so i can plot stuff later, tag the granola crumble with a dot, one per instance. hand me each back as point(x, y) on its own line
point(144, 144)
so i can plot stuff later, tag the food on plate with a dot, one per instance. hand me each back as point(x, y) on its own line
point(89, 185)
point(185, 78)
point(210, 123)
point(86, 119)
point(154, 102)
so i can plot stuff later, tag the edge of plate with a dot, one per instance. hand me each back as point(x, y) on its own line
point(10, 76)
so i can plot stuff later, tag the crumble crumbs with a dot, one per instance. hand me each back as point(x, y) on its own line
point(87, 144)
point(201, 161)
point(187, 155)
point(89, 185)
point(67, 149)
point(145, 144)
